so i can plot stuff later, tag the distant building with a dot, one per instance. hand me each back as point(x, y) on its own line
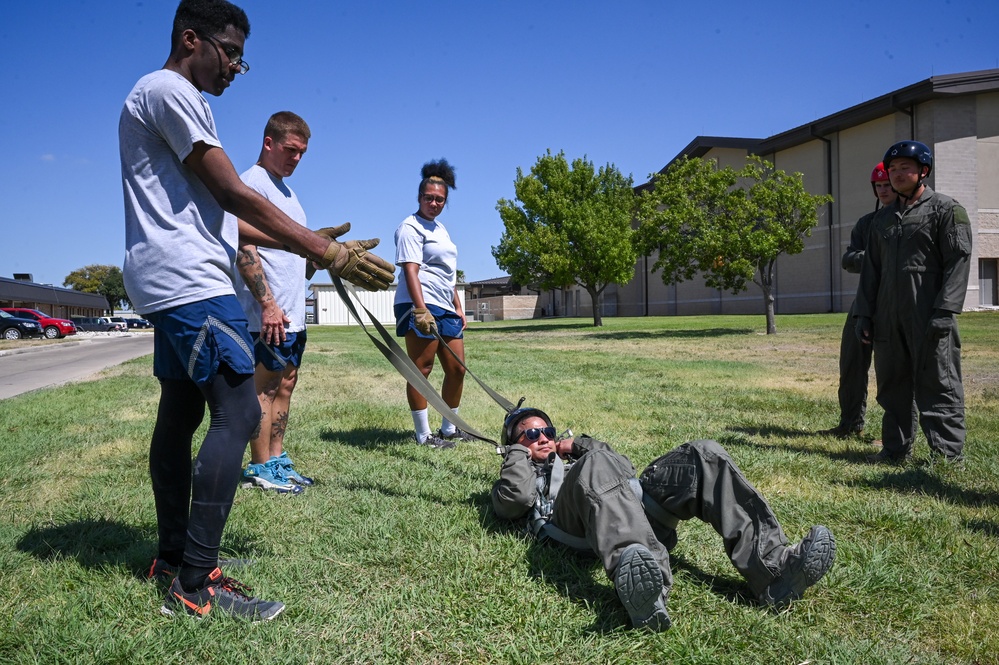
point(55, 301)
point(488, 300)
point(497, 286)
point(329, 310)
point(501, 299)
point(956, 115)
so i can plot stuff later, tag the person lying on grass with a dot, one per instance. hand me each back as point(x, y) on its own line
point(581, 493)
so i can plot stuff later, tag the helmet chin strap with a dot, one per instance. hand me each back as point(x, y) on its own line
point(907, 199)
point(917, 188)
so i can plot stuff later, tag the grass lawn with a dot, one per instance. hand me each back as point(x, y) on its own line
point(394, 556)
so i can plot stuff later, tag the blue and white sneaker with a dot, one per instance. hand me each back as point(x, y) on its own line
point(269, 476)
point(288, 467)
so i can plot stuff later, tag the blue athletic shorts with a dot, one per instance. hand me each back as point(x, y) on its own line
point(277, 357)
point(448, 323)
point(190, 341)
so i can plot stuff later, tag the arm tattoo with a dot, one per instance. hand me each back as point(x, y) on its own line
point(259, 287)
point(252, 270)
point(246, 257)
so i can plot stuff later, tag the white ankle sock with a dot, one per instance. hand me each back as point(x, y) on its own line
point(447, 427)
point(421, 424)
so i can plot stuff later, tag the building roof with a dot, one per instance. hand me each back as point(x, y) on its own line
point(18, 290)
point(702, 145)
point(495, 281)
point(901, 100)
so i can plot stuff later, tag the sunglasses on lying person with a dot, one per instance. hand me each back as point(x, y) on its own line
point(534, 433)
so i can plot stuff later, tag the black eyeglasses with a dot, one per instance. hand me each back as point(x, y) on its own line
point(430, 198)
point(535, 433)
point(231, 52)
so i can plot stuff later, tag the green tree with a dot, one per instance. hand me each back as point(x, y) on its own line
point(730, 226)
point(570, 224)
point(105, 280)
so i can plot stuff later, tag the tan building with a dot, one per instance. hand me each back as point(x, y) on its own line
point(956, 115)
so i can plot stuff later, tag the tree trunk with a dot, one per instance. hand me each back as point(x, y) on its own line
point(767, 284)
point(595, 299)
point(771, 322)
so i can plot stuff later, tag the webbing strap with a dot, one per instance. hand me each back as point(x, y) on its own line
point(395, 355)
point(270, 349)
point(653, 509)
point(507, 405)
point(549, 530)
point(556, 477)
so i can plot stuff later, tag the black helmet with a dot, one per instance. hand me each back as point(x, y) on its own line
point(911, 149)
point(514, 418)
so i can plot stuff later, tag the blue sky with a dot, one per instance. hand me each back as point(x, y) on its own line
point(489, 85)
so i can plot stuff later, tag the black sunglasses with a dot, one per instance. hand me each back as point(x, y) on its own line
point(535, 433)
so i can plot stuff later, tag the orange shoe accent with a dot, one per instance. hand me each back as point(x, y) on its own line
point(200, 610)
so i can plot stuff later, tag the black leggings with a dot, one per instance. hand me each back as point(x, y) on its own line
point(192, 509)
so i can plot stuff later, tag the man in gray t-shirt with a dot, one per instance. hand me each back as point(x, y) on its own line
point(179, 253)
point(270, 286)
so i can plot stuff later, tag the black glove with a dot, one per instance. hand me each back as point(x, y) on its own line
point(941, 324)
point(864, 329)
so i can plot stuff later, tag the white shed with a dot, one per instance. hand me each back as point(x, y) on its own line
point(331, 311)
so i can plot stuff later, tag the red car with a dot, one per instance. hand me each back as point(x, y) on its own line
point(52, 328)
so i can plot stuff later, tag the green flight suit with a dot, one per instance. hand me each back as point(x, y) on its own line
point(854, 356)
point(912, 284)
point(698, 479)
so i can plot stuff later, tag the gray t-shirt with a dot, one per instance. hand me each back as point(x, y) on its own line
point(285, 271)
point(179, 247)
point(418, 240)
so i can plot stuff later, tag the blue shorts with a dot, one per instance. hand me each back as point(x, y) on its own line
point(190, 341)
point(277, 357)
point(448, 323)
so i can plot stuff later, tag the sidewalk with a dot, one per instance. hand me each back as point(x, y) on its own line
point(46, 365)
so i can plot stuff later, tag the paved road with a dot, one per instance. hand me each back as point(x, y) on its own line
point(44, 366)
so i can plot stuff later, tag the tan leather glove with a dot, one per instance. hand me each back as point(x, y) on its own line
point(424, 320)
point(351, 261)
point(331, 232)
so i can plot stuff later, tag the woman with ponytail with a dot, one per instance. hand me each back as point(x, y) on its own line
point(426, 298)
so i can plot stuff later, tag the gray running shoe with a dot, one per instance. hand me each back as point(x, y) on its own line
point(161, 572)
point(804, 565)
point(222, 594)
point(435, 441)
point(457, 436)
point(639, 584)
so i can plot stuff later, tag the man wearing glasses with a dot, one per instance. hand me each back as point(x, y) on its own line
point(581, 493)
point(179, 264)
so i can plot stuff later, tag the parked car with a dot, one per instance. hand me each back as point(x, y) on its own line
point(52, 327)
point(15, 327)
point(132, 322)
point(97, 324)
